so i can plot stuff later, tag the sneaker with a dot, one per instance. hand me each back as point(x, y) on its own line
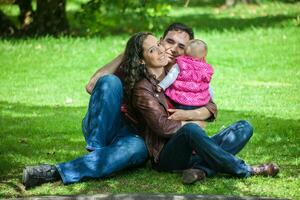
point(190, 176)
point(269, 169)
point(37, 175)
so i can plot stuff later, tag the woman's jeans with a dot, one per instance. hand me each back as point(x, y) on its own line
point(113, 144)
point(213, 154)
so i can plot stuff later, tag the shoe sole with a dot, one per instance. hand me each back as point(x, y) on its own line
point(25, 177)
point(190, 178)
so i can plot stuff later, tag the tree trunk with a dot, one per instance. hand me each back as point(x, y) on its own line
point(186, 4)
point(26, 14)
point(50, 17)
point(230, 3)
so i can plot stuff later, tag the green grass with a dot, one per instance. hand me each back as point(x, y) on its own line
point(257, 78)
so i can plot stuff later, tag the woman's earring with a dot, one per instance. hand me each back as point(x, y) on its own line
point(143, 65)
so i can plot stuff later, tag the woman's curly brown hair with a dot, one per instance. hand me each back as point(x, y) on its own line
point(131, 64)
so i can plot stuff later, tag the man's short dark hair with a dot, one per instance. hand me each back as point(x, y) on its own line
point(179, 27)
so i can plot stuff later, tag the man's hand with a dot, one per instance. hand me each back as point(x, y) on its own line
point(109, 68)
point(179, 115)
point(90, 86)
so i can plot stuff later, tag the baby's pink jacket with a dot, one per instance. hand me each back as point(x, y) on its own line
point(192, 84)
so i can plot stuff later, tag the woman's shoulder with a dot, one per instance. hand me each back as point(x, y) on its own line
point(144, 84)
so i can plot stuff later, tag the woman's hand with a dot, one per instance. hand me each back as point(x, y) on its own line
point(198, 114)
point(179, 115)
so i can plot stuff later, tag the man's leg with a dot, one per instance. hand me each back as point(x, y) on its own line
point(176, 154)
point(126, 150)
point(103, 118)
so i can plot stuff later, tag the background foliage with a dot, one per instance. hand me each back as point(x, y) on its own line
point(113, 17)
point(20, 18)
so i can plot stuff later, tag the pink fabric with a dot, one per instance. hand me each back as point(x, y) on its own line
point(192, 84)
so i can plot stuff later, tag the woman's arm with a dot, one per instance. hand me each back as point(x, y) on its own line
point(153, 112)
point(206, 113)
point(109, 68)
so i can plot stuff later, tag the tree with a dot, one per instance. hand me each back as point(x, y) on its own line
point(112, 17)
point(49, 18)
point(26, 14)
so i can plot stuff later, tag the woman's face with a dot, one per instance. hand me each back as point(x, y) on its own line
point(154, 53)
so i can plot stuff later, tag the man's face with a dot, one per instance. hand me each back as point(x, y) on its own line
point(175, 42)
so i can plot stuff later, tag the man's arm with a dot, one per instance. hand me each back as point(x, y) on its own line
point(206, 113)
point(109, 68)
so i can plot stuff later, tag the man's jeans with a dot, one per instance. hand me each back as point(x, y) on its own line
point(113, 144)
point(213, 154)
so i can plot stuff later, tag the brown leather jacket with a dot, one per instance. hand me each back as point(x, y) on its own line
point(149, 108)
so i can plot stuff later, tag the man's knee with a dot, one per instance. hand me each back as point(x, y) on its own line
point(247, 127)
point(108, 82)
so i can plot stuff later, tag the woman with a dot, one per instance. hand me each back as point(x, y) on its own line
point(179, 145)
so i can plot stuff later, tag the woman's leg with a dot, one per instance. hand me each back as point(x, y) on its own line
point(126, 150)
point(103, 118)
point(233, 138)
point(177, 152)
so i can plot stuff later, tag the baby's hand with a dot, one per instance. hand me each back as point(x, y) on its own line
point(158, 89)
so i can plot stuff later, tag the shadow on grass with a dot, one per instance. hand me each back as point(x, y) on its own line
point(208, 22)
point(51, 134)
point(34, 134)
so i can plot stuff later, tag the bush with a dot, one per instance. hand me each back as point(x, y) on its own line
point(111, 17)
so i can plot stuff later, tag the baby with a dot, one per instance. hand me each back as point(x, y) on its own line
point(187, 82)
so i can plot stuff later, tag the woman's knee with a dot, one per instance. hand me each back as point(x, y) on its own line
point(191, 129)
point(247, 128)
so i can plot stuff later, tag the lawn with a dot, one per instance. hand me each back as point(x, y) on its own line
point(255, 51)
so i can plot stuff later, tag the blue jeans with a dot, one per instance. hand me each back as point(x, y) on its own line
point(213, 154)
point(112, 143)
